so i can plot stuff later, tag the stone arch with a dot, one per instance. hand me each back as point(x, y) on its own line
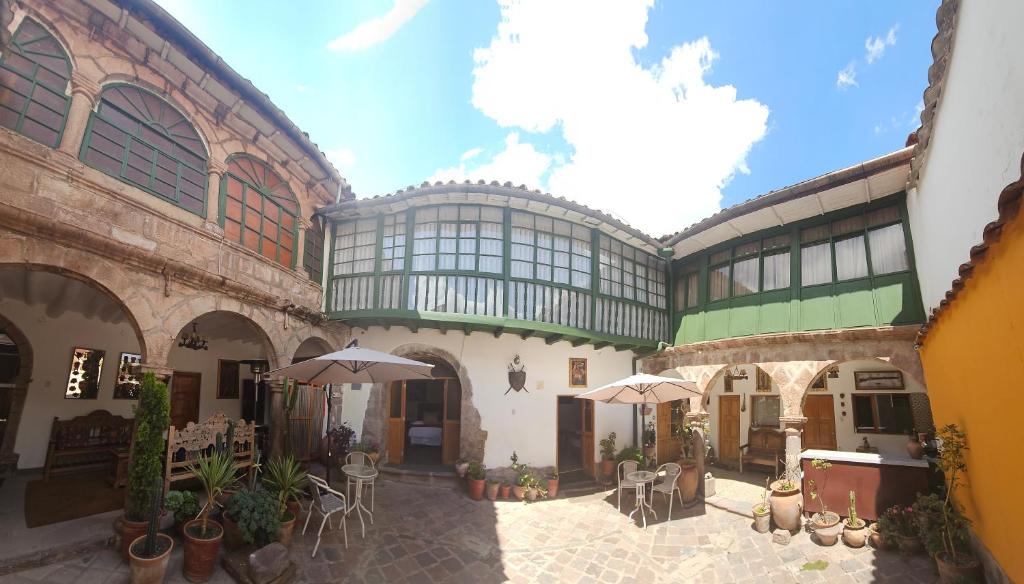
point(8, 458)
point(191, 310)
point(311, 347)
point(22, 12)
point(111, 287)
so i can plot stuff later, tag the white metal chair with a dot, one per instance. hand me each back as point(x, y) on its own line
point(625, 467)
point(670, 484)
point(327, 502)
point(363, 459)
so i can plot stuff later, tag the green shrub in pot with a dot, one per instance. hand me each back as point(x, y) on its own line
point(257, 514)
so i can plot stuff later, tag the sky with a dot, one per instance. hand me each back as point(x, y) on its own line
point(658, 112)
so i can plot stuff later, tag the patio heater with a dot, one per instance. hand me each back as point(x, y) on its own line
point(257, 405)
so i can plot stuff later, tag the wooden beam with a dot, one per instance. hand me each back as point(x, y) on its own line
point(525, 335)
point(579, 342)
point(601, 345)
point(553, 339)
point(498, 331)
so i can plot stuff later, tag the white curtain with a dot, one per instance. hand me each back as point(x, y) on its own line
point(888, 249)
point(851, 258)
point(719, 285)
point(815, 264)
point(744, 277)
point(776, 271)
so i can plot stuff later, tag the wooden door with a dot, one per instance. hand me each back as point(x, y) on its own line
point(185, 398)
point(729, 427)
point(669, 449)
point(396, 422)
point(587, 436)
point(820, 428)
point(452, 424)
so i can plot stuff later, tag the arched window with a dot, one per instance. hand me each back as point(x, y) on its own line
point(139, 138)
point(258, 209)
point(34, 75)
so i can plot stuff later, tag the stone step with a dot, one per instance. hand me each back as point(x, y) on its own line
point(439, 478)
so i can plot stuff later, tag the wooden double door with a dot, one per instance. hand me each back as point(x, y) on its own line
point(820, 428)
point(185, 388)
point(729, 428)
point(449, 420)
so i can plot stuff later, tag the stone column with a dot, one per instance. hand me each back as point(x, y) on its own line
point(215, 170)
point(162, 372)
point(83, 97)
point(300, 245)
point(276, 405)
point(794, 426)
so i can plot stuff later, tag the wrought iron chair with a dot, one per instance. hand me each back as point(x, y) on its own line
point(363, 459)
point(670, 484)
point(327, 502)
point(625, 467)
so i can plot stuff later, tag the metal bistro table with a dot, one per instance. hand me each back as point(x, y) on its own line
point(360, 473)
point(642, 478)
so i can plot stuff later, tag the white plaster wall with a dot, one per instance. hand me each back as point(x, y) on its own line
point(53, 340)
point(524, 422)
point(846, 438)
point(205, 363)
point(976, 145)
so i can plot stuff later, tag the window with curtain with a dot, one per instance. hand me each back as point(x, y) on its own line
point(627, 272)
point(140, 139)
point(259, 211)
point(776, 271)
point(313, 253)
point(851, 258)
point(550, 250)
point(765, 410)
point(692, 289)
point(392, 249)
point(816, 264)
point(744, 276)
point(458, 237)
point(718, 282)
point(355, 244)
point(888, 249)
point(34, 76)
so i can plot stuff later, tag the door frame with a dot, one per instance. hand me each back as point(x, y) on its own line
point(721, 425)
point(199, 395)
point(558, 431)
point(835, 429)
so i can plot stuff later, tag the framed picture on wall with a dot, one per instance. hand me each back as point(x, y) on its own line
point(227, 379)
point(84, 377)
point(127, 384)
point(820, 383)
point(764, 381)
point(577, 372)
point(878, 380)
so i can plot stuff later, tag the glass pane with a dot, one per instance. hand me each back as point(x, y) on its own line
point(719, 282)
point(776, 271)
point(776, 242)
point(888, 249)
point(863, 414)
point(883, 216)
point(848, 225)
point(815, 264)
point(720, 256)
point(814, 234)
point(744, 277)
point(894, 415)
point(851, 258)
point(692, 289)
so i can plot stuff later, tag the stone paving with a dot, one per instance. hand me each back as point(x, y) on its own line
point(434, 534)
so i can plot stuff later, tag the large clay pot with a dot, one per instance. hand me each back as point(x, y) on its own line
point(910, 545)
point(607, 467)
point(129, 531)
point(855, 537)
point(476, 489)
point(762, 519)
point(552, 488)
point(518, 491)
point(506, 490)
point(284, 533)
point(294, 508)
point(967, 570)
point(492, 491)
point(688, 482)
point(150, 570)
point(233, 538)
point(827, 528)
point(201, 552)
point(914, 448)
point(785, 506)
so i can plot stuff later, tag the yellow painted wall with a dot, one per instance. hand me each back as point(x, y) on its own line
point(974, 366)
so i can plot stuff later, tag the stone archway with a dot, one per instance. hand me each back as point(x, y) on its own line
point(311, 347)
point(9, 458)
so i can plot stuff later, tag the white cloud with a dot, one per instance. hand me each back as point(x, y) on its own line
point(342, 158)
point(847, 76)
point(379, 29)
point(654, 145)
point(519, 162)
point(876, 45)
point(301, 88)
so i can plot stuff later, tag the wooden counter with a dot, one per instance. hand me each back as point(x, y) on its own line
point(879, 480)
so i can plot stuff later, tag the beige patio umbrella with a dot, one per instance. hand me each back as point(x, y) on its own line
point(642, 389)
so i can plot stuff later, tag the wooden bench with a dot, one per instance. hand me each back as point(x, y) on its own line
point(765, 447)
point(194, 441)
point(96, 440)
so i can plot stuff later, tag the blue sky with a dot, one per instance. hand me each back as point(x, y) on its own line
point(659, 112)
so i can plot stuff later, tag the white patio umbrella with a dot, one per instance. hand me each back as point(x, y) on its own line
point(353, 364)
point(642, 388)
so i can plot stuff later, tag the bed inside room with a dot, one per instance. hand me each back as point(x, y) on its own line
point(424, 407)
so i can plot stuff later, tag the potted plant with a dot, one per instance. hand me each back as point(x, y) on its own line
point(505, 489)
point(941, 522)
point(689, 479)
point(786, 503)
point(608, 455)
point(257, 514)
point(461, 467)
point(855, 531)
point(367, 448)
point(202, 536)
point(914, 446)
point(552, 489)
point(152, 416)
point(650, 442)
point(885, 530)
point(286, 481)
point(826, 523)
point(630, 453)
point(522, 477)
point(148, 554)
point(534, 490)
point(184, 506)
point(763, 511)
point(477, 473)
point(492, 490)
point(903, 529)
point(340, 439)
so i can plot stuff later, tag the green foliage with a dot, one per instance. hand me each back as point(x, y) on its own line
point(257, 514)
point(156, 496)
point(823, 466)
point(608, 447)
point(477, 471)
point(216, 472)
point(897, 521)
point(285, 480)
point(630, 453)
point(152, 416)
point(854, 521)
point(184, 505)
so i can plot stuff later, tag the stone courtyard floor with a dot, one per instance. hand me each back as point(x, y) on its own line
point(436, 534)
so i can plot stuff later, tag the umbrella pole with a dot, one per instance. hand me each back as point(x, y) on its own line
point(643, 432)
point(329, 391)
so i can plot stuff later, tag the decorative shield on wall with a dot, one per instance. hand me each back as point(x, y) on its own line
point(516, 376)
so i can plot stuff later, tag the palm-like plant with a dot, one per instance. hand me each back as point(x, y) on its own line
point(285, 479)
point(216, 472)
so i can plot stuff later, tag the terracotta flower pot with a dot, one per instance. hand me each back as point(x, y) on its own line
point(910, 544)
point(129, 531)
point(762, 519)
point(607, 467)
point(492, 491)
point(785, 506)
point(914, 448)
point(149, 570)
point(855, 537)
point(519, 492)
point(688, 482)
point(552, 488)
point(284, 534)
point(506, 490)
point(201, 552)
point(827, 528)
point(531, 494)
point(294, 508)
point(233, 538)
point(476, 489)
point(965, 569)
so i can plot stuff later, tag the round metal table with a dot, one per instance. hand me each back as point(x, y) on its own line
point(361, 473)
point(642, 478)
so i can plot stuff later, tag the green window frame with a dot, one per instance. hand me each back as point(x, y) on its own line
point(630, 273)
point(860, 246)
point(259, 210)
point(139, 138)
point(313, 253)
point(35, 73)
point(545, 249)
point(687, 291)
point(355, 246)
point(458, 238)
point(392, 249)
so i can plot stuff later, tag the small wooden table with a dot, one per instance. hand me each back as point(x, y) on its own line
point(361, 473)
point(642, 478)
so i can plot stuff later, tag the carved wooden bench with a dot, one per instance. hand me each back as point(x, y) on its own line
point(92, 441)
point(194, 441)
point(764, 447)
